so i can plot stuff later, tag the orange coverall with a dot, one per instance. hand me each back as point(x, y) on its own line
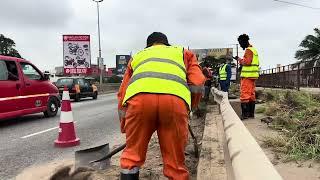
point(167, 114)
point(247, 85)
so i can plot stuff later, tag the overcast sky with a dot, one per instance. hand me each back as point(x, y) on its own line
point(275, 29)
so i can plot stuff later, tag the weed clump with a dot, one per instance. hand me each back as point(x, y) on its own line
point(297, 116)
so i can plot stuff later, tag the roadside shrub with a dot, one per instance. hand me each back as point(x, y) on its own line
point(297, 116)
point(261, 109)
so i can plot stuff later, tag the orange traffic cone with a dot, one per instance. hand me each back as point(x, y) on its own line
point(67, 135)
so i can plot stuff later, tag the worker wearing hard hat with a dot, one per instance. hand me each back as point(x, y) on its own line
point(161, 85)
point(225, 75)
point(249, 74)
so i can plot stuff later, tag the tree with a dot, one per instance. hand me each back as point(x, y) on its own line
point(310, 52)
point(7, 47)
point(215, 63)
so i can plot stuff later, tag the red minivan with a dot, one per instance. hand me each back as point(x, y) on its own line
point(25, 90)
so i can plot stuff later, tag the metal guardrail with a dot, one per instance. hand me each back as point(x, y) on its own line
point(248, 160)
point(291, 76)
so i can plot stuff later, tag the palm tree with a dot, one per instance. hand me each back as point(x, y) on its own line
point(310, 52)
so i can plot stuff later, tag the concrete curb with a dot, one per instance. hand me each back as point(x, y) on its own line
point(248, 160)
point(211, 162)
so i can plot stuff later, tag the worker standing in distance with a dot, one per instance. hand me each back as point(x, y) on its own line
point(208, 83)
point(161, 85)
point(225, 75)
point(249, 74)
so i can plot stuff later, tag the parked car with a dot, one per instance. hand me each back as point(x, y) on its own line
point(25, 90)
point(79, 87)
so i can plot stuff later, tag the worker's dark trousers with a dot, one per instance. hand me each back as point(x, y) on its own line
point(224, 85)
point(207, 88)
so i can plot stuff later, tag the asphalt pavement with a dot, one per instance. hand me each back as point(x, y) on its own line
point(29, 140)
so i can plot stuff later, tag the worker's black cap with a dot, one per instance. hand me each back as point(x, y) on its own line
point(157, 37)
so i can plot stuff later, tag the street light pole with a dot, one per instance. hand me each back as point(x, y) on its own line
point(237, 51)
point(237, 76)
point(100, 64)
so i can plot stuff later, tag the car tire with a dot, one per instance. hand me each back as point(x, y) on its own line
point(95, 95)
point(52, 108)
point(77, 98)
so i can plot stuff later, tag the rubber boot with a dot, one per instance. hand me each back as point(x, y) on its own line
point(245, 111)
point(129, 176)
point(252, 106)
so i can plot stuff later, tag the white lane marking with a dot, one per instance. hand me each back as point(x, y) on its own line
point(40, 132)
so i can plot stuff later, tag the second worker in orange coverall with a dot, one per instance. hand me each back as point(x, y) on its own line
point(249, 74)
point(161, 85)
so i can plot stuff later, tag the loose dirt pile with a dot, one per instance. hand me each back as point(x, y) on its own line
point(152, 169)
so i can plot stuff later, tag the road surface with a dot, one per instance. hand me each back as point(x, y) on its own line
point(29, 140)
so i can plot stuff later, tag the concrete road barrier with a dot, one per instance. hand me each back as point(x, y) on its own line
point(248, 160)
point(108, 87)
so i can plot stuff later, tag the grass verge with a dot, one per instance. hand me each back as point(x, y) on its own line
point(297, 116)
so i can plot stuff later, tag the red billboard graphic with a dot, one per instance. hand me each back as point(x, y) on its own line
point(76, 54)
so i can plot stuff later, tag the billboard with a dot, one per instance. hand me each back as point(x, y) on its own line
point(216, 52)
point(76, 54)
point(122, 63)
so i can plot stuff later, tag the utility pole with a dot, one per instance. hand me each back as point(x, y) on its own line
point(100, 59)
point(237, 70)
point(237, 76)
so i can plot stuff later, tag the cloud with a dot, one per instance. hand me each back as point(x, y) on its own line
point(35, 13)
point(37, 26)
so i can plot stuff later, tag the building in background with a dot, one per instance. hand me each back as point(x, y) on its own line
point(111, 72)
point(217, 53)
point(93, 71)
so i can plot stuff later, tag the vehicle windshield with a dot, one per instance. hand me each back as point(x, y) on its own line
point(63, 82)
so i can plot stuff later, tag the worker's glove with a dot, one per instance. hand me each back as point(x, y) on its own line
point(236, 58)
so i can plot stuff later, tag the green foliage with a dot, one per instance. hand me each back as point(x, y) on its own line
point(297, 115)
point(234, 89)
point(310, 49)
point(214, 63)
point(261, 109)
point(7, 47)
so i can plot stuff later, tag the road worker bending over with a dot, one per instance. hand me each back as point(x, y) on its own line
point(161, 85)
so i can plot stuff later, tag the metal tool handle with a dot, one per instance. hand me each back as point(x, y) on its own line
point(195, 142)
point(113, 152)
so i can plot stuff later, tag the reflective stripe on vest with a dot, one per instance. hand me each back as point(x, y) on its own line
point(252, 70)
point(159, 69)
point(223, 73)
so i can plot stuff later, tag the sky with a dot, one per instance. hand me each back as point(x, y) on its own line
point(275, 29)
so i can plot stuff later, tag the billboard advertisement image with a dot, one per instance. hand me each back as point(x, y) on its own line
point(216, 52)
point(76, 54)
point(122, 63)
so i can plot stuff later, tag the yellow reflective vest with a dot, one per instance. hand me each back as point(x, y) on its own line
point(223, 73)
point(252, 70)
point(161, 70)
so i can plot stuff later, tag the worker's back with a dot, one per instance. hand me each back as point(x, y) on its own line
point(159, 69)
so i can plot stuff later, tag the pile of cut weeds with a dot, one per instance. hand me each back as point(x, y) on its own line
point(297, 116)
